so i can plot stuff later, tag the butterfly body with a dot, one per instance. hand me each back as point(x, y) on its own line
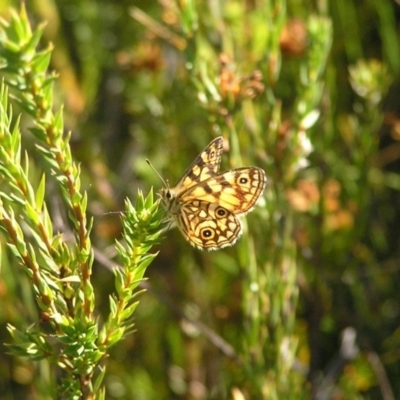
point(205, 203)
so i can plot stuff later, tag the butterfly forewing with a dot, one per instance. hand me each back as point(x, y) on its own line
point(205, 166)
point(237, 190)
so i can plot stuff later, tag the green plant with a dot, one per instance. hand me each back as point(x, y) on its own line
point(58, 264)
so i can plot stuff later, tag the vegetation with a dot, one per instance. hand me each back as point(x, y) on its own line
point(100, 299)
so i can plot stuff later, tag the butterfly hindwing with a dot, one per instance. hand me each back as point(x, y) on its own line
point(209, 226)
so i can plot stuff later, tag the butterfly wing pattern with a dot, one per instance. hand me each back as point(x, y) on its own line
point(205, 204)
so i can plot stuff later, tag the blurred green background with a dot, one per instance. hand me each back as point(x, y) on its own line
point(159, 80)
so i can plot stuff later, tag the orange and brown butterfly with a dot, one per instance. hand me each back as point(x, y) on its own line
point(205, 203)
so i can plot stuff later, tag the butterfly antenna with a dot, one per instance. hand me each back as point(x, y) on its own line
point(114, 212)
point(156, 172)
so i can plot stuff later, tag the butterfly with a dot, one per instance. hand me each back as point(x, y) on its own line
point(205, 203)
